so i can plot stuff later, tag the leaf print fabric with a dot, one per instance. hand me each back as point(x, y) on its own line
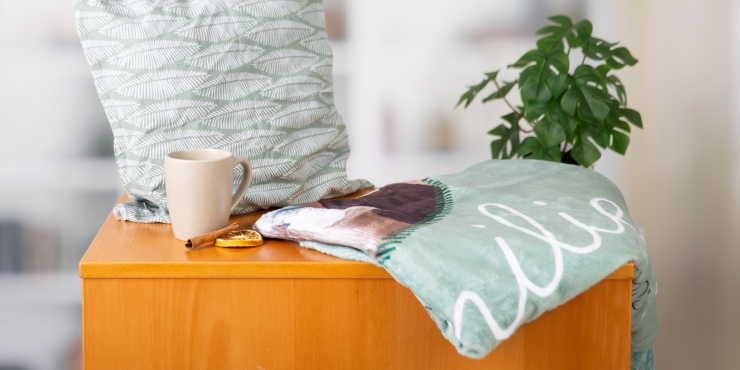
point(306, 141)
point(172, 113)
point(233, 86)
point(97, 50)
point(154, 54)
point(285, 62)
point(271, 8)
point(293, 88)
point(280, 33)
point(217, 28)
point(117, 110)
point(252, 143)
point(313, 14)
point(253, 77)
point(225, 57)
point(241, 114)
point(300, 114)
point(92, 21)
point(265, 194)
point(309, 166)
point(141, 28)
point(107, 79)
point(266, 168)
point(318, 43)
point(196, 8)
point(161, 84)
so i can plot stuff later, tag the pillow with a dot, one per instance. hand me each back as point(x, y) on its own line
point(253, 77)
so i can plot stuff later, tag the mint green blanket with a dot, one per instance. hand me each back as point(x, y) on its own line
point(490, 248)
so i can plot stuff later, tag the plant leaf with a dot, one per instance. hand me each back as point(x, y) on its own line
point(584, 100)
point(620, 142)
point(531, 148)
point(617, 58)
point(624, 55)
point(558, 85)
point(585, 152)
point(599, 133)
point(614, 82)
point(469, 95)
point(598, 49)
point(612, 120)
point(631, 115)
point(507, 134)
point(613, 64)
point(502, 93)
point(528, 57)
point(536, 79)
point(549, 130)
point(575, 34)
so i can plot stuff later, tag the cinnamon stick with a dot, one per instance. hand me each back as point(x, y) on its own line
point(207, 238)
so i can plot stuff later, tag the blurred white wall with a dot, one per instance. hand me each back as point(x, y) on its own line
point(408, 62)
point(56, 164)
point(58, 182)
point(680, 175)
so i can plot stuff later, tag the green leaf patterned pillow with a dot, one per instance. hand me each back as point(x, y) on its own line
point(250, 76)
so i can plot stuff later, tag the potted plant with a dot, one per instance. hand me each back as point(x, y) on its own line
point(565, 105)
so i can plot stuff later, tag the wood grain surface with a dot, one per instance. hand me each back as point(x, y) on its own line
point(327, 324)
point(131, 250)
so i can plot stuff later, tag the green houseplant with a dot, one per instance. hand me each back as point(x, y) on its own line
point(565, 107)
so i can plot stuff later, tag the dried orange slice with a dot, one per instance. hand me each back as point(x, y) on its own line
point(239, 238)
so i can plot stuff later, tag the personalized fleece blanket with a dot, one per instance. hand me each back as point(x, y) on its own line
point(490, 248)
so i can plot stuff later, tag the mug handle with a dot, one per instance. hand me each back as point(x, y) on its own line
point(246, 181)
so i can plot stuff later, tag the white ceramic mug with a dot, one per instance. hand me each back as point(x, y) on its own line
point(199, 189)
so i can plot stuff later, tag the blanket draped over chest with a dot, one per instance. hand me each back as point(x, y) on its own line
point(490, 248)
